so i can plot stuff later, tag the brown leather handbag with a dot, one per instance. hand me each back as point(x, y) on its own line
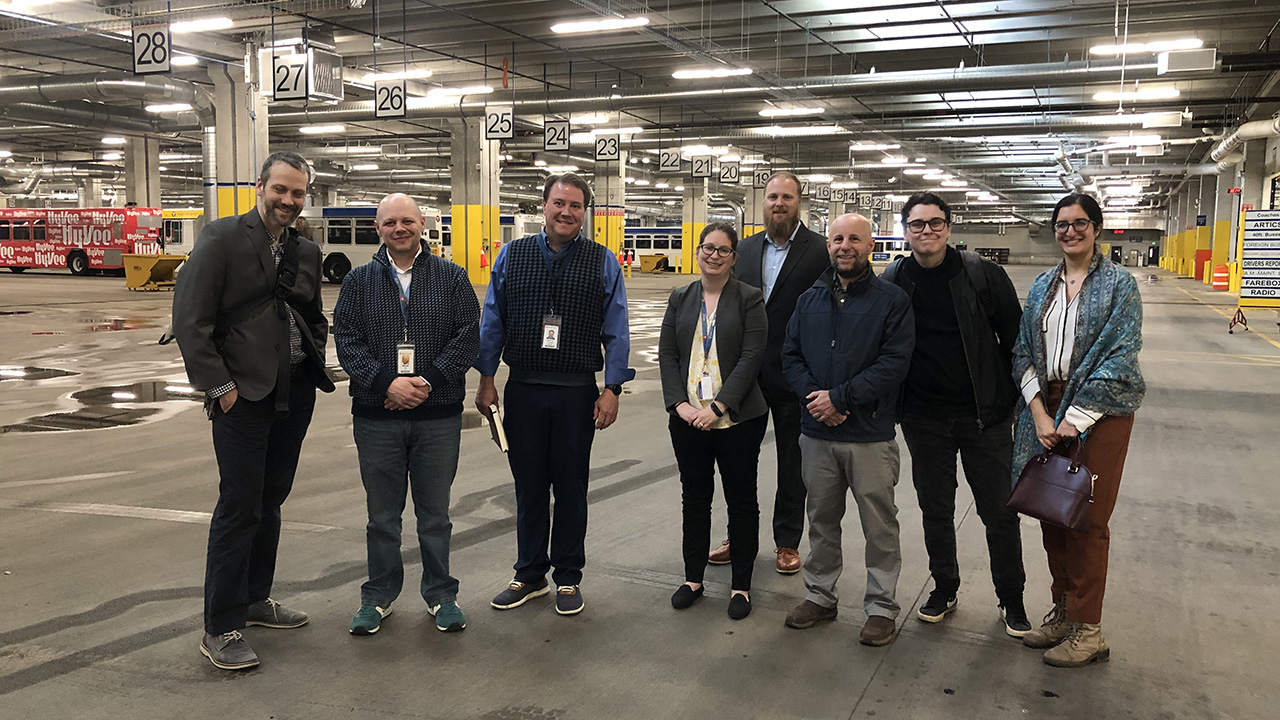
point(1055, 489)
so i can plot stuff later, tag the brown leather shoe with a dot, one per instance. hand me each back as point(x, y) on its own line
point(720, 556)
point(807, 614)
point(788, 561)
point(878, 631)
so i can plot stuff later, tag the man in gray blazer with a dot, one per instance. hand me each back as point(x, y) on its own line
point(783, 262)
point(248, 318)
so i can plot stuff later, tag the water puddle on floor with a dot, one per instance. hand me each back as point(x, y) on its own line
point(9, 372)
point(106, 407)
point(117, 323)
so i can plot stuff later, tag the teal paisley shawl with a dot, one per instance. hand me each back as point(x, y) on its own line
point(1105, 376)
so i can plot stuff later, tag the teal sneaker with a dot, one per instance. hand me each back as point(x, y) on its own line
point(368, 619)
point(449, 617)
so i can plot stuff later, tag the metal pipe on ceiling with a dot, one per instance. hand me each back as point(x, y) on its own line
point(1256, 130)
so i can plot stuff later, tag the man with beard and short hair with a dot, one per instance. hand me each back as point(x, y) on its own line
point(555, 300)
point(783, 262)
point(407, 326)
point(847, 350)
point(247, 316)
point(958, 398)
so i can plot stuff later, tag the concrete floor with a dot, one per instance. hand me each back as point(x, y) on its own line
point(102, 537)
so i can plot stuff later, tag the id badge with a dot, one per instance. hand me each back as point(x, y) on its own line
point(404, 360)
point(704, 388)
point(550, 332)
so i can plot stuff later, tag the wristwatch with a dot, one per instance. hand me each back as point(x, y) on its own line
point(715, 409)
point(616, 388)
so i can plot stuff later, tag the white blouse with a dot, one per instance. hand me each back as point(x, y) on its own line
point(1059, 330)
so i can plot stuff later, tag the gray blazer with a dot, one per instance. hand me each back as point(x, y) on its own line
point(741, 330)
point(806, 261)
point(224, 310)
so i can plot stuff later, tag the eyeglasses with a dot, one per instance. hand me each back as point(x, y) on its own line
point(710, 250)
point(936, 225)
point(1080, 225)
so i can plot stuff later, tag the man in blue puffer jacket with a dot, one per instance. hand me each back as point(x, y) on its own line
point(847, 351)
point(407, 326)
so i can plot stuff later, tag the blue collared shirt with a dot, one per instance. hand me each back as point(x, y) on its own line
point(773, 259)
point(615, 331)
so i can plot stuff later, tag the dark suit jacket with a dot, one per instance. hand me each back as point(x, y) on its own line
point(224, 310)
point(741, 329)
point(806, 261)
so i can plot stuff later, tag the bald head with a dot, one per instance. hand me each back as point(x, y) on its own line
point(400, 226)
point(849, 245)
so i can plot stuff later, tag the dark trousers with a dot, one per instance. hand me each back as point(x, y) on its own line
point(987, 455)
point(549, 433)
point(788, 503)
point(257, 456)
point(736, 450)
point(1078, 560)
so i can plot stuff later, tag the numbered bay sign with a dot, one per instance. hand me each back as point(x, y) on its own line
point(837, 196)
point(824, 192)
point(669, 160)
point(151, 49)
point(701, 167)
point(389, 99)
point(289, 77)
point(499, 122)
point(729, 173)
point(760, 178)
point(608, 147)
point(555, 135)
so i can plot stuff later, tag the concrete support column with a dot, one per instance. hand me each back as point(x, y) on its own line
point(610, 216)
point(1201, 249)
point(1225, 208)
point(142, 172)
point(693, 217)
point(242, 141)
point(90, 192)
point(323, 196)
point(1253, 182)
point(474, 162)
point(752, 212)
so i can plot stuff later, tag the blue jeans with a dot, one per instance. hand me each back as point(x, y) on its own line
point(397, 456)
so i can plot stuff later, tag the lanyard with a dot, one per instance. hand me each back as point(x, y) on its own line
point(404, 298)
point(708, 334)
point(554, 271)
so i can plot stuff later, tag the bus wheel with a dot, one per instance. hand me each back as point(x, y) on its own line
point(336, 267)
point(17, 270)
point(78, 263)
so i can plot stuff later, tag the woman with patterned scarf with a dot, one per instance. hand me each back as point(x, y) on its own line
point(1076, 360)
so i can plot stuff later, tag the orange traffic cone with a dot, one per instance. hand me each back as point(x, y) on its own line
point(484, 261)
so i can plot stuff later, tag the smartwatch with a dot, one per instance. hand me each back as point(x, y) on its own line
point(715, 409)
point(615, 388)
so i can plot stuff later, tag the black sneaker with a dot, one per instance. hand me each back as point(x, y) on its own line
point(569, 600)
point(937, 607)
point(518, 593)
point(1015, 619)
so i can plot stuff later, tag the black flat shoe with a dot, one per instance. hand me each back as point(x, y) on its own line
point(739, 607)
point(685, 596)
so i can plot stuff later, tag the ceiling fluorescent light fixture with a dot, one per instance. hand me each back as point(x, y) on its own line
point(617, 131)
point(111, 156)
point(1151, 47)
point(184, 60)
point(1146, 93)
point(791, 112)
point(113, 141)
point(605, 25)
point(1135, 140)
point(894, 160)
point(169, 107)
point(365, 166)
point(705, 73)
point(954, 183)
point(321, 129)
point(592, 119)
point(6, 153)
point(921, 171)
point(805, 131)
point(859, 146)
point(399, 75)
point(459, 91)
point(557, 169)
point(205, 25)
point(820, 178)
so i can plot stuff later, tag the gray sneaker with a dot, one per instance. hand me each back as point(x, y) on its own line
point(271, 614)
point(228, 651)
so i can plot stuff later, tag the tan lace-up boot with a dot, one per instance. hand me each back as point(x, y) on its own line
point(1084, 645)
point(1055, 629)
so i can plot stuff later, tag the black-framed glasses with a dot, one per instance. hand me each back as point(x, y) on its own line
point(935, 224)
point(710, 250)
point(1080, 225)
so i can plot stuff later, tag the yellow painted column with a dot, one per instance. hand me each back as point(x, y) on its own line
point(475, 232)
point(609, 225)
point(236, 198)
point(693, 215)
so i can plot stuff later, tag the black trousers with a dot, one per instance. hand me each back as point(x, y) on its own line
point(788, 502)
point(736, 450)
point(257, 456)
point(549, 433)
point(987, 456)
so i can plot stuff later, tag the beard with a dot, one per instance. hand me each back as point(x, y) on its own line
point(861, 266)
point(781, 226)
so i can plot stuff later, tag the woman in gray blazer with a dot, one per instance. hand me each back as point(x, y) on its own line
point(710, 350)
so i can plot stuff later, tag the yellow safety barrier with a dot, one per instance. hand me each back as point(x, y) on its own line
point(656, 262)
point(151, 272)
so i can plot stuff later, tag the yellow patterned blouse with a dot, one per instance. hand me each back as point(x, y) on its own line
point(705, 364)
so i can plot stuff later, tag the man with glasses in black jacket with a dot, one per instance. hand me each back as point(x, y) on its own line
point(958, 398)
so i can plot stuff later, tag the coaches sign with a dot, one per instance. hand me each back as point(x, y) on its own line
point(1260, 259)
